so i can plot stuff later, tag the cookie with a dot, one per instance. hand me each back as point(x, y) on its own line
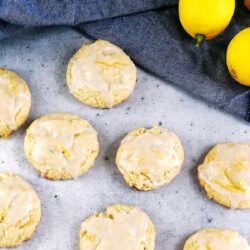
point(216, 239)
point(61, 146)
point(101, 75)
point(120, 227)
point(225, 175)
point(149, 158)
point(20, 210)
point(15, 102)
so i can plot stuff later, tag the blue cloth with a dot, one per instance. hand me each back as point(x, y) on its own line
point(150, 32)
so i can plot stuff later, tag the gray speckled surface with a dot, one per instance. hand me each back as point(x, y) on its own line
point(177, 209)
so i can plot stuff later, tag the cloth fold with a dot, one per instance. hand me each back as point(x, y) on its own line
point(72, 12)
point(150, 32)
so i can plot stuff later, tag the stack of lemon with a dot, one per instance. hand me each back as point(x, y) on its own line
point(206, 19)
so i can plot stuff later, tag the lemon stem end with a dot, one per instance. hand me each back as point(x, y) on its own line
point(199, 38)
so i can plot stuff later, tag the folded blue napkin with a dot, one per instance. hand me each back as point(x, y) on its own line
point(150, 32)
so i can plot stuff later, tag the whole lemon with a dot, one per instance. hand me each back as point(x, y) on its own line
point(205, 19)
point(238, 57)
point(247, 4)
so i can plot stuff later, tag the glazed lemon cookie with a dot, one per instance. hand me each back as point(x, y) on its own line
point(216, 239)
point(225, 174)
point(61, 145)
point(20, 210)
point(120, 227)
point(15, 102)
point(149, 158)
point(101, 75)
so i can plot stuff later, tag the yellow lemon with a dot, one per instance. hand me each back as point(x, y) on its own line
point(247, 4)
point(205, 19)
point(238, 57)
